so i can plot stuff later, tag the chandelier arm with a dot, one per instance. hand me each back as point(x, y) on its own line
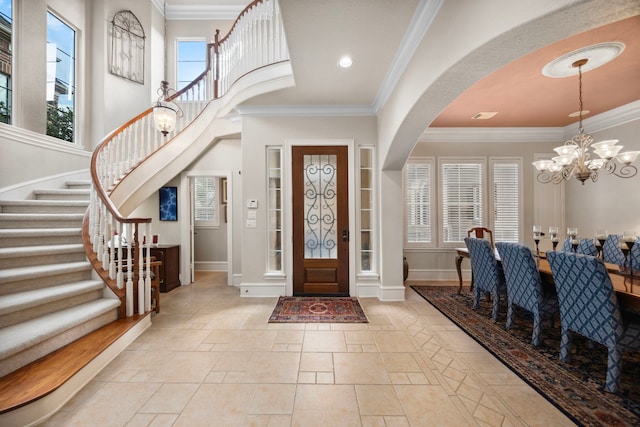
point(544, 177)
point(625, 171)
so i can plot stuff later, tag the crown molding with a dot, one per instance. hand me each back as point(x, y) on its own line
point(159, 4)
point(202, 12)
point(420, 23)
point(307, 110)
point(615, 117)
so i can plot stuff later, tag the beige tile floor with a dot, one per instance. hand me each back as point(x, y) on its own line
point(211, 359)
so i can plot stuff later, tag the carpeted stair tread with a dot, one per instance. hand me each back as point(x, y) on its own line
point(22, 300)
point(33, 272)
point(41, 232)
point(7, 253)
point(40, 216)
point(16, 338)
point(31, 202)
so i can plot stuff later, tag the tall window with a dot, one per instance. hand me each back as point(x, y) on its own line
point(61, 62)
point(505, 177)
point(418, 202)
point(462, 198)
point(367, 246)
point(192, 60)
point(205, 201)
point(6, 36)
point(274, 210)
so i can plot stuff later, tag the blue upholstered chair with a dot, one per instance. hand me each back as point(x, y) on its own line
point(566, 245)
point(634, 257)
point(588, 306)
point(611, 250)
point(587, 246)
point(524, 287)
point(487, 276)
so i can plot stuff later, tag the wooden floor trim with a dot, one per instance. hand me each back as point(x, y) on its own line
point(45, 375)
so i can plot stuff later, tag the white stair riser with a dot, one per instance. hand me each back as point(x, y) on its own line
point(33, 223)
point(56, 196)
point(31, 208)
point(13, 242)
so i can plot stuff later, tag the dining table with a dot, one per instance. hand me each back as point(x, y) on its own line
point(627, 286)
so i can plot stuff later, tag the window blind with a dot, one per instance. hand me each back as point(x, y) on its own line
point(205, 202)
point(506, 201)
point(418, 201)
point(462, 196)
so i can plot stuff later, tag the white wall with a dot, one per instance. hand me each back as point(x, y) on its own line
point(611, 203)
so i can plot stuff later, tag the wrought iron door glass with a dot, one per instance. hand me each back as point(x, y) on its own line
point(320, 234)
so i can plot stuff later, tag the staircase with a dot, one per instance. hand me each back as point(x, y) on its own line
point(47, 295)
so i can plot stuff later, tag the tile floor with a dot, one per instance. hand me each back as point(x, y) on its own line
point(211, 359)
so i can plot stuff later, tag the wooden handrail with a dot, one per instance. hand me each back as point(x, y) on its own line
point(125, 148)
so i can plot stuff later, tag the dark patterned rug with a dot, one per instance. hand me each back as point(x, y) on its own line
point(318, 310)
point(575, 388)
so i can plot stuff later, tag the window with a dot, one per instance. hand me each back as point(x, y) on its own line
point(205, 201)
point(367, 246)
point(274, 209)
point(506, 194)
point(192, 61)
point(418, 202)
point(6, 36)
point(462, 198)
point(61, 62)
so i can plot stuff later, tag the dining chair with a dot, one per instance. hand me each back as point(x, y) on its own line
point(587, 246)
point(524, 287)
point(487, 275)
point(566, 245)
point(589, 307)
point(481, 233)
point(611, 251)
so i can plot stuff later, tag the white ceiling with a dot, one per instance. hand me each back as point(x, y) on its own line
point(373, 32)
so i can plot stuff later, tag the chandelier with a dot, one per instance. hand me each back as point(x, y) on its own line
point(575, 160)
point(165, 112)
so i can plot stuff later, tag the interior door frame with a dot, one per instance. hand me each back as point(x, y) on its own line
point(186, 232)
point(288, 207)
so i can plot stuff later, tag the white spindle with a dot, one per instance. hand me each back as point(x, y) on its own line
point(129, 285)
point(141, 292)
point(147, 280)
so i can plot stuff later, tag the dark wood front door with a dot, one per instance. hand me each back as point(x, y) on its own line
point(320, 220)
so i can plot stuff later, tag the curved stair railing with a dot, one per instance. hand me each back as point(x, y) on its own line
point(255, 40)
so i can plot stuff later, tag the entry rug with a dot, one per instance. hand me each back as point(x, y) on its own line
point(318, 310)
point(575, 388)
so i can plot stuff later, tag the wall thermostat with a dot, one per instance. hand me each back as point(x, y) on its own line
point(252, 203)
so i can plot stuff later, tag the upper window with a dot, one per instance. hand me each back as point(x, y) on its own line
point(61, 60)
point(192, 60)
point(205, 201)
point(6, 36)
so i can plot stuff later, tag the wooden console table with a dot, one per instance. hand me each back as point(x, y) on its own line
point(170, 268)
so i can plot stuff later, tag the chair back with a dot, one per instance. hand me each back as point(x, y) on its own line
point(481, 233)
point(566, 245)
point(611, 250)
point(587, 246)
point(588, 303)
point(486, 275)
point(524, 286)
point(634, 257)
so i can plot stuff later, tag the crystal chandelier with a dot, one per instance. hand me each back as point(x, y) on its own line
point(574, 159)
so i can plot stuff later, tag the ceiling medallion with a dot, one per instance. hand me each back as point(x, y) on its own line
point(596, 56)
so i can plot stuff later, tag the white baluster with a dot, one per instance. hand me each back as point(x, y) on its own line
point(147, 280)
point(129, 285)
point(115, 246)
point(141, 292)
point(120, 274)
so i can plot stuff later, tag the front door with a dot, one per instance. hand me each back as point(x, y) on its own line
point(320, 220)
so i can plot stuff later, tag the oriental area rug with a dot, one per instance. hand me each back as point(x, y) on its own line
point(575, 388)
point(318, 310)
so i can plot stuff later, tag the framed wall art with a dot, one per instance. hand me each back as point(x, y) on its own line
point(168, 202)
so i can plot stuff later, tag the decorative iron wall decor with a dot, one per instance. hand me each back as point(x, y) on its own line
point(127, 47)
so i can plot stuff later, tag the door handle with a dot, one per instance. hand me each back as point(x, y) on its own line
point(345, 234)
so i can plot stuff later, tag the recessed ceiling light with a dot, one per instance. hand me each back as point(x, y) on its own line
point(484, 115)
point(345, 62)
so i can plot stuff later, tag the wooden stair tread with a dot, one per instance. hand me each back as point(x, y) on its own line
point(45, 375)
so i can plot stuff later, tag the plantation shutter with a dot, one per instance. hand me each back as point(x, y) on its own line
point(462, 196)
point(418, 200)
point(205, 199)
point(506, 201)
